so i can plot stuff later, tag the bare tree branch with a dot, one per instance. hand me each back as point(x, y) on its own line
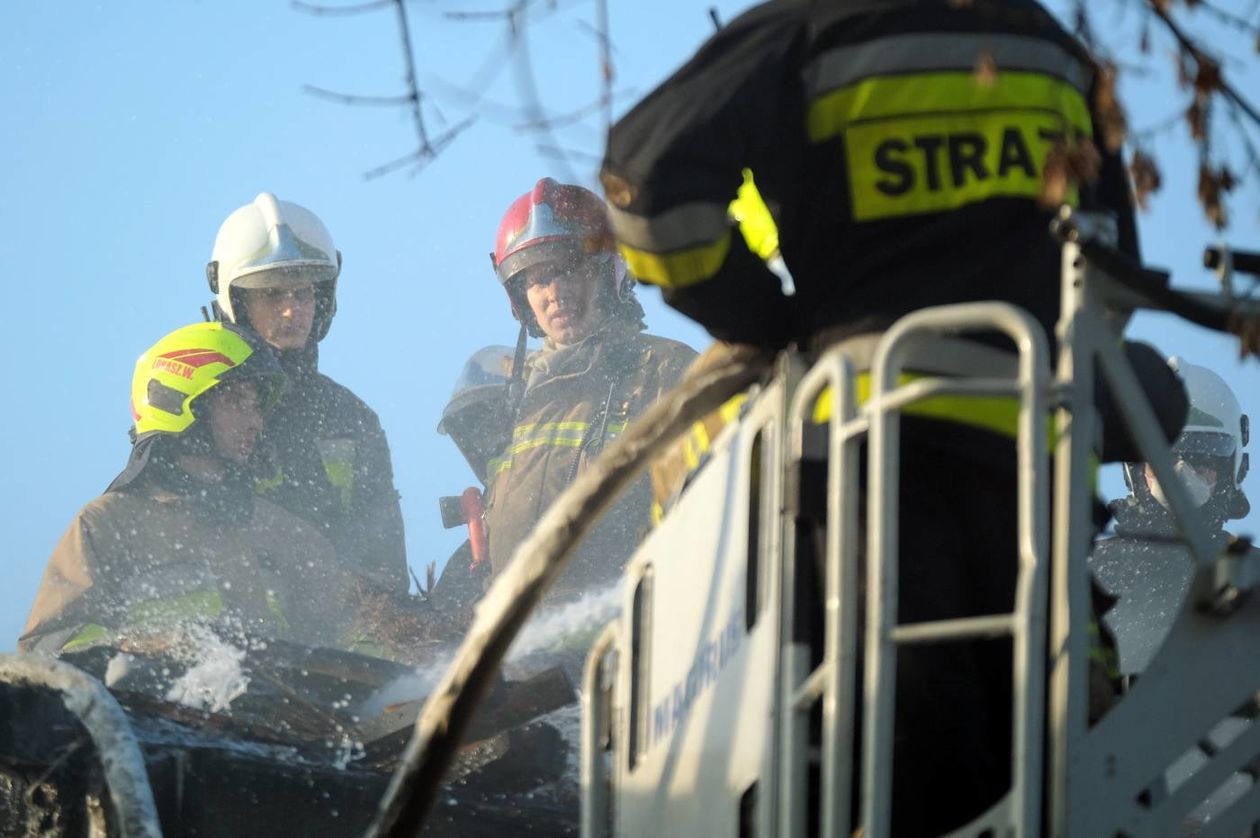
point(355, 99)
point(421, 156)
point(313, 9)
point(1204, 61)
point(413, 89)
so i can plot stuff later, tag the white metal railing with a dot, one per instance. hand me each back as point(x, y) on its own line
point(598, 721)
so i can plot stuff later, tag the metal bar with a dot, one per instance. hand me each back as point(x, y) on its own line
point(841, 608)
point(813, 687)
point(883, 468)
point(1027, 622)
point(595, 717)
point(1076, 424)
point(1028, 664)
point(926, 388)
point(940, 631)
point(121, 760)
point(1197, 788)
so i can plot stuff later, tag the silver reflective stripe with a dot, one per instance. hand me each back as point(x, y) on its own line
point(942, 52)
point(684, 226)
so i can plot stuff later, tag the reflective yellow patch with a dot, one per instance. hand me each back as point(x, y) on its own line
point(932, 142)
point(175, 608)
point(999, 414)
point(679, 268)
point(756, 224)
point(87, 636)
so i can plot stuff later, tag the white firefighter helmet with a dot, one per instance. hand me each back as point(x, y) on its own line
point(1211, 443)
point(271, 243)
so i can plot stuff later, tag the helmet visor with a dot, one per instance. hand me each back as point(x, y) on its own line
point(564, 255)
point(286, 277)
point(1205, 444)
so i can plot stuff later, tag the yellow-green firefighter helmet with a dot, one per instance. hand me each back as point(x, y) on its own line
point(188, 362)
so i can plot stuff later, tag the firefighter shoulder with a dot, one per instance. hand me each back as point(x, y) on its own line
point(324, 456)
point(596, 370)
point(179, 535)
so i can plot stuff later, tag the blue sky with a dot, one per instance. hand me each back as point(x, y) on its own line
point(132, 129)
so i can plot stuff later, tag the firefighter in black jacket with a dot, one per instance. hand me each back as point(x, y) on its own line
point(324, 454)
point(902, 149)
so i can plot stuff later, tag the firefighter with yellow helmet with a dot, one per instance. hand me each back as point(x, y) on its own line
point(324, 456)
point(180, 534)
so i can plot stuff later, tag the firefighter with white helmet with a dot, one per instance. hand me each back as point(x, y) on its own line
point(325, 456)
point(596, 370)
point(180, 534)
point(1144, 563)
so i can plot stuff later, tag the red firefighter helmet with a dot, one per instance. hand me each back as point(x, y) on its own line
point(554, 222)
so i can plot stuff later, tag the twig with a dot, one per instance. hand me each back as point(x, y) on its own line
point(1228, 18)
point(355, 99)
point(1203, 60)
point(413, 89)
point(312, 9)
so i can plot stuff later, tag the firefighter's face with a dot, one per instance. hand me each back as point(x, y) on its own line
point(283, 316)
point(564, 299)
point(236, 419)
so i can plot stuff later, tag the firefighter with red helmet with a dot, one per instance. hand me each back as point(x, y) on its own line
point(596, 370)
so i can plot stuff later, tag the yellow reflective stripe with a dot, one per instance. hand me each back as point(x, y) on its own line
point(999, 414)
point(678, 268)
point(893, 98)
point(731, 408)
point(276, 607)
point(933, 142)
point(86, 636)
point(341, 475)
point(524, 430)
point(548, 434)
point(169, 609)
point(263, 485)
point(756, 224)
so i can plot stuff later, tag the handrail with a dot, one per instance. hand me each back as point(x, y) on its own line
point(121, 761)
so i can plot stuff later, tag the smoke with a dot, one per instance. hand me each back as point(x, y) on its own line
point(554, 630)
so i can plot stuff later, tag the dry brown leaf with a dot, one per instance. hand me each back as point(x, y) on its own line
point(986, 69)
point(1146, 178)
point(1109, 113)
point(1196, 116)
point(616, 189)
point(1207, 77)
point(1210, 196)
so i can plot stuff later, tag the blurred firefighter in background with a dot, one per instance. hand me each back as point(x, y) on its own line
point(596, 370)
point(1145, 563)
point(324, 456)
point(180, 534)
point(903, 150)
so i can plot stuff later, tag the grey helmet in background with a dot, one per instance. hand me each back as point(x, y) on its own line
point(1208, 454)
point(476, 417)
point(271, 243)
